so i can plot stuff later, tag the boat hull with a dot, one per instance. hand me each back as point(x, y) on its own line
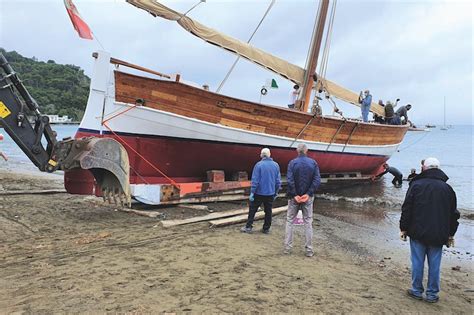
point(177, 132)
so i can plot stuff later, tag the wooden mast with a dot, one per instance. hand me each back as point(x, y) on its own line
point(312, 61)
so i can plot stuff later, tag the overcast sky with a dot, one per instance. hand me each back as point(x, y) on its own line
point(419, 51)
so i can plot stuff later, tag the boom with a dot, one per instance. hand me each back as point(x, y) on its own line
point(104, 157)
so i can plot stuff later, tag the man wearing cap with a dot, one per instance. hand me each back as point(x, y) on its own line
point(365, 103)
point(3, 155)
point(266, 181)
point(303, 180)
point(430, 218)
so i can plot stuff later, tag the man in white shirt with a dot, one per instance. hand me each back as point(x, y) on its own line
point(294, 96)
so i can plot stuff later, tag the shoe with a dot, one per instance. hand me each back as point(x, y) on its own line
point(265, 231)
point(309, 254)
point(413, 295)
point(246, 230)
point(431, 300)
point(287, 251)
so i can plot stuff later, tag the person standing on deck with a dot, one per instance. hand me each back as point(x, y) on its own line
point(303, 181)
point(430, 218)
point(397, 175)
point(266, 182)
point(389, 113)
point(403, 112)
point(294, 96)
point(377, 118)
point(365, 103)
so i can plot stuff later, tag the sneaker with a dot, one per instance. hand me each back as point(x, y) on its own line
point(431, 300)
point(265, 231)
point(246, 230)
point(413, 295)
point(309, 254)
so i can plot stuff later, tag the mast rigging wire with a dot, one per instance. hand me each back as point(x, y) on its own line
point(248, 41)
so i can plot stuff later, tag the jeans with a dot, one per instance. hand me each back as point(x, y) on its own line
point(267, 206)
point(418, 253)
point(307, 209)
point(365, 112)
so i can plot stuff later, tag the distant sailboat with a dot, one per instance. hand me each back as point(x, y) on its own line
point(444, 118)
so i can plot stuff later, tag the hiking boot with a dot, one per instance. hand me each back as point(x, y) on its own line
point(246, 230)
point(431, 300)
point(265, 231)
point(309, 254)
point(413, 295)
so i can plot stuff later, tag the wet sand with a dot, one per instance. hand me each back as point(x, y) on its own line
point(62, 253)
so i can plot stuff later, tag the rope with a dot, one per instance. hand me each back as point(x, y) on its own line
point(327, 44)
point(248, 41)
point(414, 142)
point(141, 156)
point(104, 123)
point(192, 8)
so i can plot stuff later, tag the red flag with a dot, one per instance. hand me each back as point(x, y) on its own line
point(81, 27)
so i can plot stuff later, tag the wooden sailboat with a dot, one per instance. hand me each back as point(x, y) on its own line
point(175, 132)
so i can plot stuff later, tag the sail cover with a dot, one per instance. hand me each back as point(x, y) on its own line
point(282, 67)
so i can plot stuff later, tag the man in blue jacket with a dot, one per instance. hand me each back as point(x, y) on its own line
point(303, 181)
point(365, 103)
point(266, 181)
point(430, 218)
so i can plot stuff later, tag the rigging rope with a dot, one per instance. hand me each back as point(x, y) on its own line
point(327, 43)
point(200, 1)
point(104, 123)
point(248, 41)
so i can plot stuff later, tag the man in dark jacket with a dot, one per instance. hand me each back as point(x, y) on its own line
point(430, 218)
point(303, 180)
point(397, 175)
point(402, 112)
point(264, 188)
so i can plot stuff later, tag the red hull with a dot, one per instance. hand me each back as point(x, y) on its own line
point(187, 160)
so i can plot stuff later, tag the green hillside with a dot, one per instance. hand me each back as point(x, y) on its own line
point(58, 89)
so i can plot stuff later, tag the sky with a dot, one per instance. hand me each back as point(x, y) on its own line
point(418, 51)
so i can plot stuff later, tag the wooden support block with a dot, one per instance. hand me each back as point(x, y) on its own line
point(215, 176)
point(243, 218)
point(240, 176)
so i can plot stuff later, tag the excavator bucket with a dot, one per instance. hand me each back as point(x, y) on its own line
point(106, 158)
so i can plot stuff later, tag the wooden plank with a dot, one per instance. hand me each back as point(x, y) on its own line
point(166, 96)
point(33, 192)
point(243, 218)
point(207, 217)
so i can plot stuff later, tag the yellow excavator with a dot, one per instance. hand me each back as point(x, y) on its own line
point(106, 158)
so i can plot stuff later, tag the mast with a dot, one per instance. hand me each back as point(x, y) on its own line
point(444, 119)
point(312, 60)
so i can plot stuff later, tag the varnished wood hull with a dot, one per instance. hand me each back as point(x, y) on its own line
point(182, 131)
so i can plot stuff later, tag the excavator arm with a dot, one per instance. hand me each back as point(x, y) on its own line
point(20, 117)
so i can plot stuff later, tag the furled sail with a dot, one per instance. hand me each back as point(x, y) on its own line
point(266, 60)
point(282, 67)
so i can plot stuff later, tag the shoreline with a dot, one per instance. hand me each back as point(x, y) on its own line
point(86, 256)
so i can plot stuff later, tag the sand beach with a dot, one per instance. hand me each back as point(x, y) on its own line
point(62, 253)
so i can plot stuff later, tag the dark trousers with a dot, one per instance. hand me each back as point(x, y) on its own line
point(267, 206)
point(397, 180)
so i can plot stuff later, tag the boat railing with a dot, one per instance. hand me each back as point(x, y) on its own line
point(119, 62)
